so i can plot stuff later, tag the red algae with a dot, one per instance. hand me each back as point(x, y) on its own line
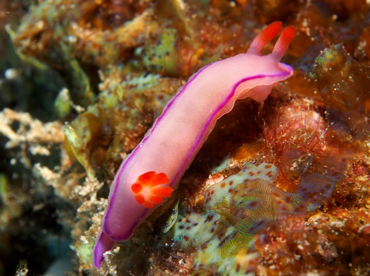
point(327, 243)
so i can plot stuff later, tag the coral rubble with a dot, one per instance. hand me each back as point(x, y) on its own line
point(82, 81)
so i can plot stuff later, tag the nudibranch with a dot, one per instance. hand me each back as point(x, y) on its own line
point(152, 171)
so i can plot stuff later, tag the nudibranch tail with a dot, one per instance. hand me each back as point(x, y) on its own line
point(264, 37)
point(283, 42)
point(150, 188)
point(103, 244)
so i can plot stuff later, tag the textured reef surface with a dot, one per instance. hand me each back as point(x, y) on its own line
point(237, 209)
point(279, 188)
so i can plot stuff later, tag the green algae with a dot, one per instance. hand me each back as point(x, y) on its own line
point(115, 124)
point(62, 103)
point(48, 26)
point(163, 57)
point(172, 218)
point(3, 187)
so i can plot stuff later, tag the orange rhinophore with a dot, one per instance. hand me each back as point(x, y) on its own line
point(150, 188)
point(264, 37)
point(282, 44)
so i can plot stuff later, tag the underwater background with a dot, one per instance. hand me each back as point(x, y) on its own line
point(279, 188)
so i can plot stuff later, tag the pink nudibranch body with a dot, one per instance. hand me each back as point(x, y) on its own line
point(152, 171)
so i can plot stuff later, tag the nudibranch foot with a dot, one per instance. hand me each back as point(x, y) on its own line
point(150, 188)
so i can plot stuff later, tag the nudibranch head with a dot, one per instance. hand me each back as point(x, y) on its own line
point(266, 70)
point(150, 188)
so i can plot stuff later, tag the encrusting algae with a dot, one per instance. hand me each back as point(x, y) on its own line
point(279, 188)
